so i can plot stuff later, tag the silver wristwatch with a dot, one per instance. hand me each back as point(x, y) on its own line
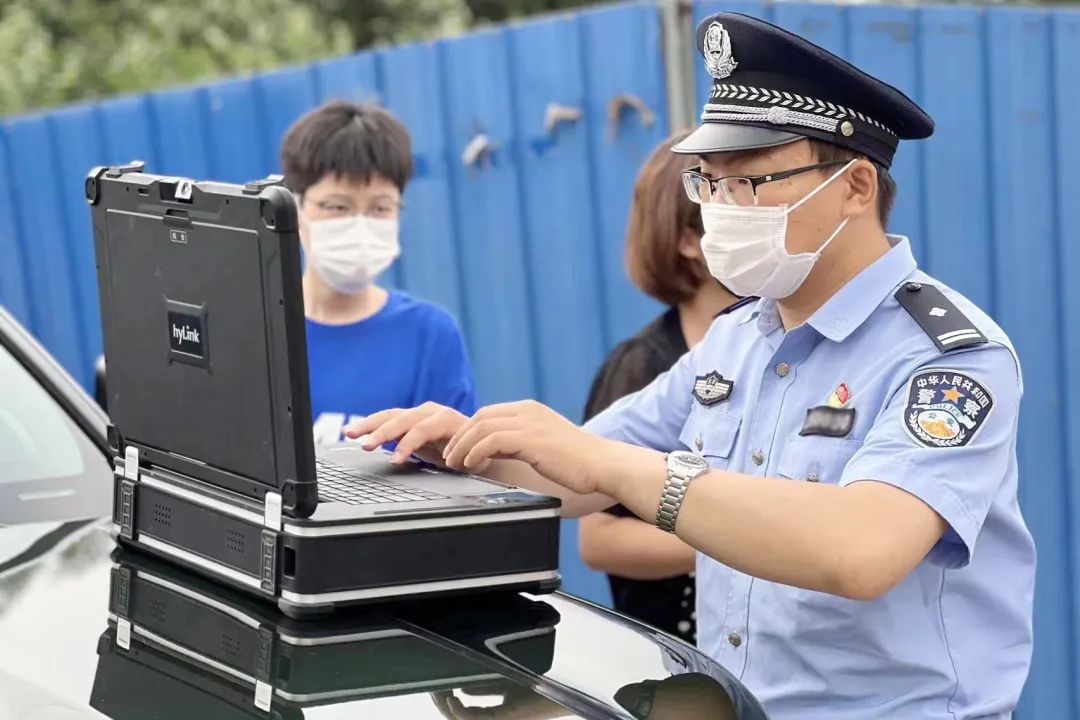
point(682, 467)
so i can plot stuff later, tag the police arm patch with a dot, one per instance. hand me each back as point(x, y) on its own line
point(945, 408)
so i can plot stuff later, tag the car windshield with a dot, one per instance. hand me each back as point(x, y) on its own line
point(49, 469)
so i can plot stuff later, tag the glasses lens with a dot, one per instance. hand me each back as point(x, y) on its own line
point(697, 187)
point(738, 191)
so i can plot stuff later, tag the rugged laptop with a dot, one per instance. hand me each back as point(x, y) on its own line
point(203, 324)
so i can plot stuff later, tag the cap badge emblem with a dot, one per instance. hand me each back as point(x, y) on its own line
point(717, 51)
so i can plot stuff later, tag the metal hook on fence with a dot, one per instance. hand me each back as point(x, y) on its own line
point(556, 113)
point(477, 149)
point(618, 103)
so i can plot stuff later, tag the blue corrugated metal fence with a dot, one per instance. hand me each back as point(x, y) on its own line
point(525, 245)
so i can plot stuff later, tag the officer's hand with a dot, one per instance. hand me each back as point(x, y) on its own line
point(422, 431)
point(527, 431)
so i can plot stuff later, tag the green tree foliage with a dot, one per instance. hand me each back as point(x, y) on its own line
point(60, 51)
point(375, 22)
point(500, 10)
point(387, 21)
point(56, 51)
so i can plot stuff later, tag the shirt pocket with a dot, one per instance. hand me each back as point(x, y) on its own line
point(711, 434)
point(816, 458)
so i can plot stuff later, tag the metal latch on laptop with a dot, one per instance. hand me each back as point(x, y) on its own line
point(115, 171)
point(255, 187)
point(264, 664)
point(272, 511)
point(123, 633)
point(127, 492)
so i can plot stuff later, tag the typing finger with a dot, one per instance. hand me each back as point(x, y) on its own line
point(367, 424)
point(499, 444)
point(432, 430)
point(468, 437)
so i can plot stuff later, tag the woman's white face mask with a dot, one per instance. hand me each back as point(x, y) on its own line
point(349, 253)
point(745, 247)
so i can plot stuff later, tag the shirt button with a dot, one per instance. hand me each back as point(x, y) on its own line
point(758, 457)
point(782, 369)
point(735, 639)
point(812, 477)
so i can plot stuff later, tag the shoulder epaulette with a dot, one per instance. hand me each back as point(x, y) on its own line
point(939, 318)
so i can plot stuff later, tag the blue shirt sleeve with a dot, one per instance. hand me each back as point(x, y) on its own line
point(446, 374)
point(949, 443)
point(654, 416)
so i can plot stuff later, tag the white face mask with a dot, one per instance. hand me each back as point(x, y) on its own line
point(350, 252)
point(745, 247)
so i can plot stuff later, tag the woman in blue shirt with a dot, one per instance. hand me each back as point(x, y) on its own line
point(369, 348)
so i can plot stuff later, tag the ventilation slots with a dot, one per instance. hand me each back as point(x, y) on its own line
point(159, 611)
point(234, 541)
point(162, 515)
point(230, 645)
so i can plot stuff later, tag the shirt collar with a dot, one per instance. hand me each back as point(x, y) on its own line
point(849, 308)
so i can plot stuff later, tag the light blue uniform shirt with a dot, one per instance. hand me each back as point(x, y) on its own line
point(952, 640)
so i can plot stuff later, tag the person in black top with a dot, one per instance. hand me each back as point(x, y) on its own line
point(650, 571)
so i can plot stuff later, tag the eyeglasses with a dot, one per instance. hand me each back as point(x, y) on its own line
point(737, 190)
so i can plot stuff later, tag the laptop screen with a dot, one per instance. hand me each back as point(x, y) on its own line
point(186, 341)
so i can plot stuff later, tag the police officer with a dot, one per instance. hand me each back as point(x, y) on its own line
point(841, 453)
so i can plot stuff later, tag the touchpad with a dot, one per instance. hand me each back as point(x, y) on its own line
point(445, 483)
point(435, 480)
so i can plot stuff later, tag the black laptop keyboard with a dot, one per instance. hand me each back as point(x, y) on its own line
point(338, 483)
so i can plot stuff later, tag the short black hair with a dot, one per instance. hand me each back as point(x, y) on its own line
point(827, 152)
point(348, 140)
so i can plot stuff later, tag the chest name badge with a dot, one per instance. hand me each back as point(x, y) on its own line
point(712, 388)
point(945, 408)
point(828, 421)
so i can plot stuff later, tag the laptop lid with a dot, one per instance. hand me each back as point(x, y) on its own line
point(203, 326)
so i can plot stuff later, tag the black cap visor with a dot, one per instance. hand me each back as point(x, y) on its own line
point(718, 137)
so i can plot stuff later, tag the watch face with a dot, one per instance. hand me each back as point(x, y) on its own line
point(692, 461)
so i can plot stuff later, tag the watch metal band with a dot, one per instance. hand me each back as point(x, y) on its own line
point(671, 498)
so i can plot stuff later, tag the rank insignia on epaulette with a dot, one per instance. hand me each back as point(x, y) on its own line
point(938, 317)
